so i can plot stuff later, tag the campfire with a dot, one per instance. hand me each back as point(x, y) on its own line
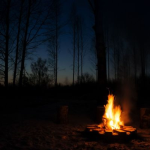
point(112, 123)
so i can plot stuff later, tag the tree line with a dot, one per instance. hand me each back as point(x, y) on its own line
point(120, 45)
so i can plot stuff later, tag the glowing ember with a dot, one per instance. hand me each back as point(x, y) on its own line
point(112, 116)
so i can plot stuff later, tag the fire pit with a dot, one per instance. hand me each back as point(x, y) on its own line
point(112, 125)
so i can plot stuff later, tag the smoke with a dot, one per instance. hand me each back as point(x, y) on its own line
point(127, 98)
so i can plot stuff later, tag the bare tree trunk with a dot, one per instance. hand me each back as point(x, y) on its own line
point(78, 52)
point(56, 40)
point(81, 49)
point(17, 44)
point(25, 43)
point(100, 45)
point(56, 12)
point(7, 42)
point(107, 50)
point(100, 48)
point(74, 49)
point(73, 18)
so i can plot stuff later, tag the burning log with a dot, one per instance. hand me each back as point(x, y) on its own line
point(125, 131)
point(129, 130)
point(62, 114)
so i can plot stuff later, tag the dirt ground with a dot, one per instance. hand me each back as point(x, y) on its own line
point(36, 129)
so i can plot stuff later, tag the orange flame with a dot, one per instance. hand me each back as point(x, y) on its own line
point(112, 114)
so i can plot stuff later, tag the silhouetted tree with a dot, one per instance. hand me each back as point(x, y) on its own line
point(25, 41)
point(73, 17)
point(96, 6)
point(35, 19)
point(82, 51)
point(40, 74)
point(18, 41)
point(93, 58)
point(7, 32)
point(5, 15)
point(7, 40)
point(86, 78)
point(79, 45)
point(54, 33)
point(107, 41)
point(78, 48)
point(77, 32)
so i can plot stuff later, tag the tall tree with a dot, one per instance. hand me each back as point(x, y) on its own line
point(81, 45)
point(6, 38)
point(93, 58)
point(96, 6)
point(73, 17)
point(78, 48)
point(54, 34)
point(18, 41)
point(36, 15)
point(25, 42)
point(107, 41)
point(7, 41)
